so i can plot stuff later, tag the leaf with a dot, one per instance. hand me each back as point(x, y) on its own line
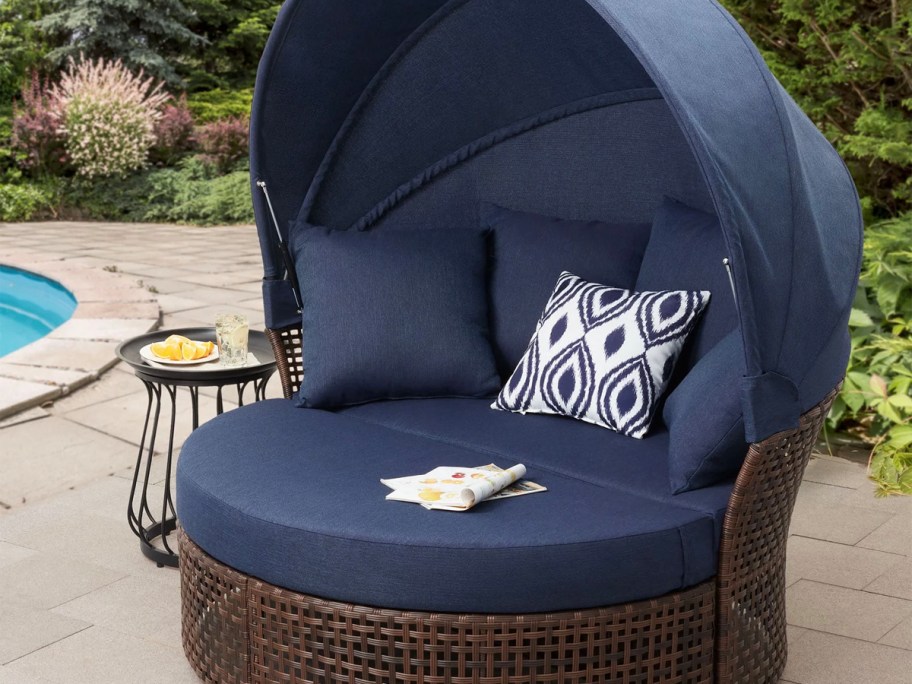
point(859, 319)
point(878, 385)
point(901, 401)
point(904, 480)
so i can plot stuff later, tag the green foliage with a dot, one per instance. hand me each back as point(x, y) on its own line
point(236, 33)
point(191, 193)
point(213, 105)
point(22, 47)
point(9, 158)
point(876, 398)
point(891, 466)
point(145, 34)
point(25, 202)
point(848, 63)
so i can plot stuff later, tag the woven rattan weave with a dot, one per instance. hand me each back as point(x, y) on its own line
point(237, 628)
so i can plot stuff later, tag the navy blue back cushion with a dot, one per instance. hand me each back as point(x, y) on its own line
point(530, 252)
point(685, 252)
point(392, 315)
point(704, 418)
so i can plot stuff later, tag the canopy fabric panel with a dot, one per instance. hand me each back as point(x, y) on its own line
point(611, 163)
point(787, 204)
point(473, 68)
point(319, 58)
point(419, 109)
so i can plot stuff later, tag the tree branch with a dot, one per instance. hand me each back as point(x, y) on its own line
point(829, 48)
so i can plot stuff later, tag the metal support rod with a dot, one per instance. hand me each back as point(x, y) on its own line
point(731, 278)
point(283, 247)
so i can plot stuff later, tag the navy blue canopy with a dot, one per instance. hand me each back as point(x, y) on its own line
point(416, 111)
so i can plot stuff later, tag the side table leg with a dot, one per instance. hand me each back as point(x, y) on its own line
point(169, 522)
point(136, 513)
point(259, 389)
point(139, 513)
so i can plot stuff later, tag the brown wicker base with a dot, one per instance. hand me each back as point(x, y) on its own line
point(730, 630)
point(239, 629)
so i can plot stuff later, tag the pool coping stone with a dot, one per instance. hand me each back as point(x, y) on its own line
point(111, 307)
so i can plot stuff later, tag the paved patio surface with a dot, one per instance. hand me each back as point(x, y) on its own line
point(81, 604)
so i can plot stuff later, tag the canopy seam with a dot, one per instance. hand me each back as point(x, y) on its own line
point(491, 140)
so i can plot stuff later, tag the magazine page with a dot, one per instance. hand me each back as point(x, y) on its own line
point(458, 488)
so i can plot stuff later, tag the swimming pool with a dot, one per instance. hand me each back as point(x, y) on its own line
point(31, 306)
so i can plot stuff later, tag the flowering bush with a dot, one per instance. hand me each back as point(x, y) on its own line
point(173, 133)
point(223, 143)
point(36, 134)
point(108, 115)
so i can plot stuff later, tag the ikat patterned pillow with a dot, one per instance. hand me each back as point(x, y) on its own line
point(602, 354)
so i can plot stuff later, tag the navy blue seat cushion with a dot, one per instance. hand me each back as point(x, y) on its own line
point(293, 497)
point(553, 444)
point(685, 252)
point(705, 421)
point(393, 314)
point(530, 251)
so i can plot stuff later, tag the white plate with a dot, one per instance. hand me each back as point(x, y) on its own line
point(147, 355)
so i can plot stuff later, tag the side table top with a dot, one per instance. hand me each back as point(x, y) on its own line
point(206, 373)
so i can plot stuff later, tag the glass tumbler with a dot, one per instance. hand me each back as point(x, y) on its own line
point(231, 331)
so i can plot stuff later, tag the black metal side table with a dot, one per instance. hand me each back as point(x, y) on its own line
point(158, 379)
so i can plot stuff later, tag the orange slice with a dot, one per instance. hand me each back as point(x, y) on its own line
point(167, 350)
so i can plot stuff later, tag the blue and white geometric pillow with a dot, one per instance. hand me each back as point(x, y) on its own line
point(602, 354)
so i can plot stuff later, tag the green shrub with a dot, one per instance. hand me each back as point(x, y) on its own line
point(876, 398)
point(190, 193)
point(193, 194)
point(25, 202)
point(212, 105)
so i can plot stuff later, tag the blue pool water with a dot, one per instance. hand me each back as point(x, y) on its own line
point(30, 307)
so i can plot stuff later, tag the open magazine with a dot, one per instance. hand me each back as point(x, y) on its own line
point(449, 488)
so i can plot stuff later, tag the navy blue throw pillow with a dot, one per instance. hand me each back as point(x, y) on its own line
point(393, 315)
point(530, 251)
point(685, 252)
point(705, 423)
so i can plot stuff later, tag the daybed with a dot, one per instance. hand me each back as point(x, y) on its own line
point(417, 114)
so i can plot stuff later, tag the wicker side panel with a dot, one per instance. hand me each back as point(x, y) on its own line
point(751, 644)
point(297, 638)
point(214, 619)
point(286, 345)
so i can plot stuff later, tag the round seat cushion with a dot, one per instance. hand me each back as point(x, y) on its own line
point(292, 496)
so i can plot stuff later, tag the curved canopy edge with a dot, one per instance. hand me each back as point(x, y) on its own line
point(788, 207)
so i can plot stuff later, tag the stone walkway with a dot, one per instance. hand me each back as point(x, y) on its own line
point(81, 604)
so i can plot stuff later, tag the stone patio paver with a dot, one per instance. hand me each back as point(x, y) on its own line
point(900, 636)
point(26, 630)
point(897, 583)
point(838, 564)
point(45, 456)
point(820, 658)
point(824, 512)
point(847, 612)
point(67, 555)
point(100, 655)
point(45, 580)
point(894, 536)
